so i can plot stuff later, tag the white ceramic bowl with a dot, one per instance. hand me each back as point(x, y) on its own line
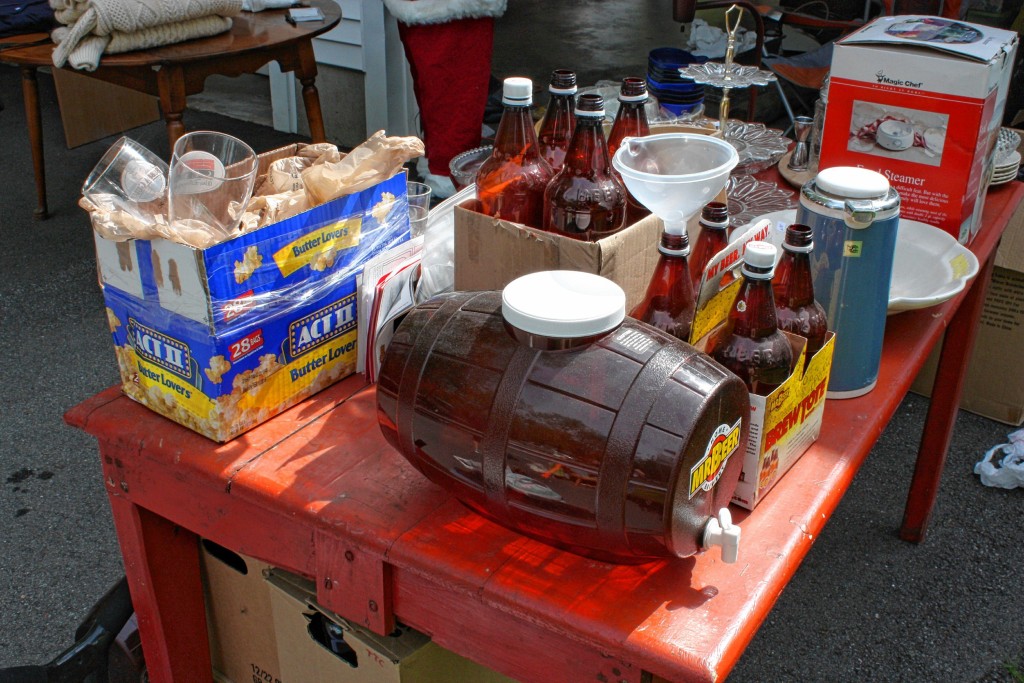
point(929, 266)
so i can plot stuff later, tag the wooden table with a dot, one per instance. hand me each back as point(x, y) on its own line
point(318, 491)
point(173, 72)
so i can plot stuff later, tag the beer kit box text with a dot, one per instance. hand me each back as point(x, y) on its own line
point(223, 338)
point(782, 425)
point(920, 100)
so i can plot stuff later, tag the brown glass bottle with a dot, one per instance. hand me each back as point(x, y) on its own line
point(585, 200)
point(752, 347)
point(630, 121)
point(796, 308)
point(712, 238)
point(510, 184)
point(559, 118)
point(669, 302)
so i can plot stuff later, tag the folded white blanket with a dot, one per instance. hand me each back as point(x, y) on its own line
point(85, 56)
point(91, 18)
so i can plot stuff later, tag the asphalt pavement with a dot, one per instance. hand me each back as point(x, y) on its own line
point(864, 606)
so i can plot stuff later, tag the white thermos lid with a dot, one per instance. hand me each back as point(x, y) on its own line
point(852, 182)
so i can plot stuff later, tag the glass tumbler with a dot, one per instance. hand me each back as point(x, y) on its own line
point(211, 180)
point(129, 178)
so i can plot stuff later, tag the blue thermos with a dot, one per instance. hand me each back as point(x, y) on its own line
point(854, 216)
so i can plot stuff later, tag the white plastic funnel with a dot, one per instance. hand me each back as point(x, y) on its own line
point(675, 174)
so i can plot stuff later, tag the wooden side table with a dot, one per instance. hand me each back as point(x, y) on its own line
point(173, 72)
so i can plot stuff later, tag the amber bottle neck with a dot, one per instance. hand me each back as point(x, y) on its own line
point(753, 315)
point(794, 285)
point(674, 246)
point(516, 134)
point(588, 149)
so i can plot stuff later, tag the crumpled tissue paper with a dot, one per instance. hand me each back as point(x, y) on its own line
point(1003, 466)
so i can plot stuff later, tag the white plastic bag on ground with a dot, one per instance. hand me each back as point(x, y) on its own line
point(1003, 466)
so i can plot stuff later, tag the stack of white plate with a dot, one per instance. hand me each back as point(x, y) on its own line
point(1007, 158)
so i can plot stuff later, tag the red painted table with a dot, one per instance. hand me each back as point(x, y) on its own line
point(318, 491)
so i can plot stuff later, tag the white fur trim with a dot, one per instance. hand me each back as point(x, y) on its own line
point(441, 11)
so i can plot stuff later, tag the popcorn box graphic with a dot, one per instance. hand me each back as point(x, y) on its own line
point(223, 338)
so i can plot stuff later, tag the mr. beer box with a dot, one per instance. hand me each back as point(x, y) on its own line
point(223, 338)
point(920, 100)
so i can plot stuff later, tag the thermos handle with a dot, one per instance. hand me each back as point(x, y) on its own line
point(860, 214)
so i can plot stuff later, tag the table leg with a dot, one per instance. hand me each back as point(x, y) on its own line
point(945, 402)
point(310, 96)
point(171, 86)
point(161, 561)
point(30, 93)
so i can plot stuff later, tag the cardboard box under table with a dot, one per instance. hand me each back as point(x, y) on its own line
point(223, 338)
point(317, 646)
point(921, 100)
point(243, 646)
point(994, 385)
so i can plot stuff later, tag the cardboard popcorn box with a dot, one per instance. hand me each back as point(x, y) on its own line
point(920, 100)
point(223, 338)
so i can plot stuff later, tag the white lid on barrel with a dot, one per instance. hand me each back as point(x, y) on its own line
point(563, 304)
point(852, 182)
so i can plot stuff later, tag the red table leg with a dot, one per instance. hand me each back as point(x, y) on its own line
point(945, 402)
point(162, 565)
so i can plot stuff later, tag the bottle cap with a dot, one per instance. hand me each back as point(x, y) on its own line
point(517, 91)
point(591, 105)
point(759, 260)
point(563, 304)
point(852, 182)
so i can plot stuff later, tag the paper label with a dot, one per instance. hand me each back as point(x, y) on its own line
point(196, 173)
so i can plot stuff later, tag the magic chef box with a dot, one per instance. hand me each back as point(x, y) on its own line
point(223, 338)
point(921, 100)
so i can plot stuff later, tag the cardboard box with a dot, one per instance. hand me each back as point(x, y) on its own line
point(921, 100)
point(782, 425)
point(223, 338)
point(316, 646)
point(243, 647)
point(994, 385)
point(88, 106)
point(490, 253)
